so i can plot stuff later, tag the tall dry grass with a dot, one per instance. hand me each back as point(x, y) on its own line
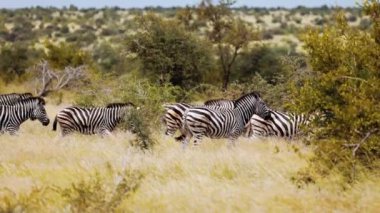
point(41, 173)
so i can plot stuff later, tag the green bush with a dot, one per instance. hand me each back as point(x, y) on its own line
point(169, 53)
point(344, 84)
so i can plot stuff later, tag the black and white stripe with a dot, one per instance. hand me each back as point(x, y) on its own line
point(11, 117)
point(173, 117)
point(101, 120)
point(13, 98)
point(286, 125)
point(228, 123)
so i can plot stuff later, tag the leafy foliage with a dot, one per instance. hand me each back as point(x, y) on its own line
point(63, 55)
point(168, 52)
point(345, 85)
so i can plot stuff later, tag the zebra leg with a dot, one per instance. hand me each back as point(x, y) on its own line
point(231, 143)
point(65, 132)
point(109, 133)
point(13, 130)
point(185, 141)
point(197, 140)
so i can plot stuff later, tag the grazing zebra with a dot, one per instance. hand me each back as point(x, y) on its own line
point(279, 124)
point(228, 123)
point(11, 117)
point(101, 120)
point(10, 99)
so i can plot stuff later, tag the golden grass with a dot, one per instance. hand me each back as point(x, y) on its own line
point(39, 173)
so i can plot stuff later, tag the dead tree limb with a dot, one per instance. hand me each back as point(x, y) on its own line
point(49, 79)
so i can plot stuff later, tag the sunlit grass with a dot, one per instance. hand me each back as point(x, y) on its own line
point(41, 173)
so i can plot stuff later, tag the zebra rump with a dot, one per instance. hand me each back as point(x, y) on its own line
point(279, 124)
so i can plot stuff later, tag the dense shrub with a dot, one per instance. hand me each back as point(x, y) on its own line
point(345, 85)
point(14, 60)
point(169, 54)
point(263, 60)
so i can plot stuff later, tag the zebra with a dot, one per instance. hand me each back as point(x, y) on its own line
point(227, 123)
point(11, 117)
point(173, 116)
point(286, 125)
point(100, 120)
point(13, 98)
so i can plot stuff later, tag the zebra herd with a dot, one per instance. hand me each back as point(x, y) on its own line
point(17, 108)
point(219, 118)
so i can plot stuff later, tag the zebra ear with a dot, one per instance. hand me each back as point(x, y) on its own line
point(41, 100)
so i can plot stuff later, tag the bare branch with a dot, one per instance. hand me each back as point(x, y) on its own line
point(46, 77)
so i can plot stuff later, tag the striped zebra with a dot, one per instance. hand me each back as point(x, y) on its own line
point(100, 120)
point(12, 98)
point(228, 123)
point(11, 117)
point(286, 125)
point(173, 117)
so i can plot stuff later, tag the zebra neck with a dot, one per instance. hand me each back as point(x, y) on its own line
point(23, 112)
point(244, 113)
point(116, 114)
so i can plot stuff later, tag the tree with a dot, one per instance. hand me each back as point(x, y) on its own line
point(345, 85)
point(230, 35)
point(168, 52)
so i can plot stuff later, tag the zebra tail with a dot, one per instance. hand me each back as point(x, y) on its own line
point(55, 124)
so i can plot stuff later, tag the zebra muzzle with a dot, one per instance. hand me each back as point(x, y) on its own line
point(45, 123)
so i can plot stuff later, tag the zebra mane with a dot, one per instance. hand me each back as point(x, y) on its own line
point(113, 105)
point(27, 94)
point(254, 93)
point(213, 101)
point(39, 100)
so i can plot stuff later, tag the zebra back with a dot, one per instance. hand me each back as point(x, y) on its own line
point(13, 98)
point(126, 104)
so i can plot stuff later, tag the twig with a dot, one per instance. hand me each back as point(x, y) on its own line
point(362, 141)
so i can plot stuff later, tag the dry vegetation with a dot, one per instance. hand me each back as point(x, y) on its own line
point(42, 173)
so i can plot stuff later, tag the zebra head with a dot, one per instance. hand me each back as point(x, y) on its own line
point(39, 111)
point(252, 103)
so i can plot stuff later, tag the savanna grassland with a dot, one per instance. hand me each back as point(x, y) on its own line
point(41, 173)
point(322, 61)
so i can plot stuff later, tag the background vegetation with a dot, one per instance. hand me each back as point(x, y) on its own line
point(307, 60)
